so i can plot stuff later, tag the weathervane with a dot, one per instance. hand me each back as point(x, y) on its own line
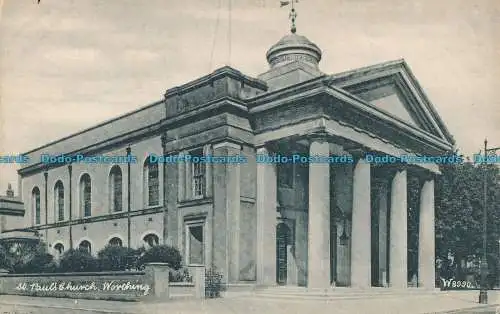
point(293, 14)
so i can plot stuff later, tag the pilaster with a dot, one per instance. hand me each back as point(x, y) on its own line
point(266, 220)
point(171, 187)
point(226, 192)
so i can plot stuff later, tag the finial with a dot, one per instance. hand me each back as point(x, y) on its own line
point(293, 13)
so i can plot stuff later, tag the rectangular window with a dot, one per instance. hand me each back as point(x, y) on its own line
point(286, 175)
point(153, 185)
point(86, 200)
point(37, 209)
point(60, 203)
point(196, 245)
point(117, 192)
point(199, 172)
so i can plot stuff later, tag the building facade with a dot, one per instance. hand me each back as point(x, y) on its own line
point(315, 224)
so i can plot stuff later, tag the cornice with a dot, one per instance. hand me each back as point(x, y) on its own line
point(370, 111)
point(222, 105)
point(420, 92)
point(260, 102)
point(225, 71)
point(94, 219)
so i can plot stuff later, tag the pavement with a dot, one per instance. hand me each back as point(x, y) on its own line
point(464, 302)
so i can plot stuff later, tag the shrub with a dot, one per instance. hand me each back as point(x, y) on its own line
point(32, 259)
point(163, 254)
point(5, 262)
point(213, 284)
point(116, 258)
point(181, 275)
point(77, 260)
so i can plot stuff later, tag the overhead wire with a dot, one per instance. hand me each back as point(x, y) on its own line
point(217, 22)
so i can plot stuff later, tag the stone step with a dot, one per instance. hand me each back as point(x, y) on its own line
point(338, 293)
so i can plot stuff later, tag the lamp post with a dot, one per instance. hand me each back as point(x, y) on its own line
point(483, 293)
point(498, 264)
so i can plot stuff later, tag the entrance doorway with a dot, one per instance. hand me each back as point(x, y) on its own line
point(283, 234)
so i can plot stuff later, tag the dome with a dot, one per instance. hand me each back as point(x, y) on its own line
point(292, 48)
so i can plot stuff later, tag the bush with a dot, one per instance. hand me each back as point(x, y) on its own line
point(77, 260)
point(163, 254)
point(181, 275)
point(32, 259)
point(213, 284)
point(116, 258)
point(5, 262)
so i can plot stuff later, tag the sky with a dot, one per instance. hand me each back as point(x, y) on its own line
point(68, 65)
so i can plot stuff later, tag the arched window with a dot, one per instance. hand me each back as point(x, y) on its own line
point(151, 183)
point(35, 196)
point(151, 240)
point(86, 195)
point(115, 189)
point(59, 200)
point(116, 242)
point(85, 246)
point(59, 248)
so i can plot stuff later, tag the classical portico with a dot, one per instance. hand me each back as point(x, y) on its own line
point(304, 245)
point(342, 222)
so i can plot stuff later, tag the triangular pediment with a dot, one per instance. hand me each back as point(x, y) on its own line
point(392, 88)
point(389, 99)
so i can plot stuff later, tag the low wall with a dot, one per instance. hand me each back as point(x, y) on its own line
point(151, 284)
point(105, 285)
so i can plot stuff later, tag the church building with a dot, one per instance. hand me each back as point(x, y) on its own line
point(312, 224)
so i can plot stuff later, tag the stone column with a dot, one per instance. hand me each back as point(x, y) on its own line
point(318, 266)
point(226, 212)
point(382, 233)
point(426, 245)
point(361, 225)
point(266, 220)
point(398, 256)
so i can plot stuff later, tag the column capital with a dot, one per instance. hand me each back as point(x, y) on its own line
point(317, 136)
point(70, 168)
point(128, 149)
point(424, 175)
point(358, 151)
point(46, 175)
point(269, 147)
point(228, 144)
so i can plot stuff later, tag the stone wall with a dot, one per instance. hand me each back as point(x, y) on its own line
point(151, 284)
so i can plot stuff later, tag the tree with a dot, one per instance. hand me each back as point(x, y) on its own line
point(459, 213)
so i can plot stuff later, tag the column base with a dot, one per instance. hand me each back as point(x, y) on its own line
point(483, 297)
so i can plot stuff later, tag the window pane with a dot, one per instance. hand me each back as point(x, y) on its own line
point(153, 185)
point(117, 191)
point(151, 240)
point(60, 201)
point(196, 245)
point(87, 193)
point(199, 179)
point(37, 206)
